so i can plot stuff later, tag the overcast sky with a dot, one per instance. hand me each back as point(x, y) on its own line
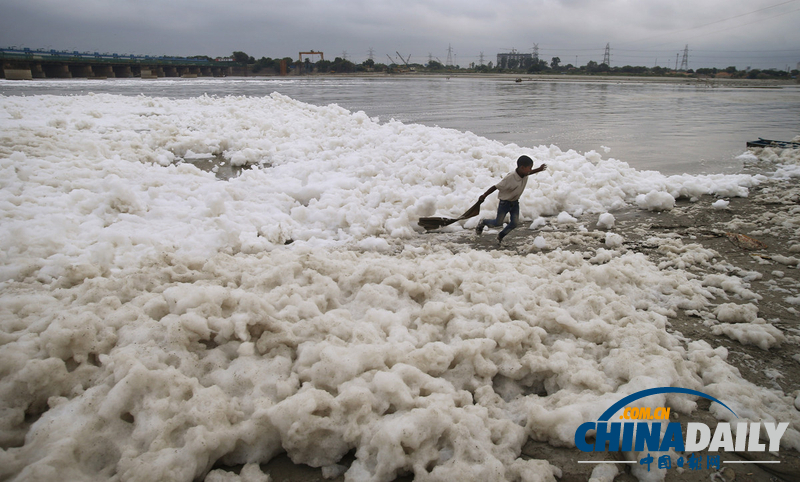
point(719, 33)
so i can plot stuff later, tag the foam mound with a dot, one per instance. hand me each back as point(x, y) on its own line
point(156, 321)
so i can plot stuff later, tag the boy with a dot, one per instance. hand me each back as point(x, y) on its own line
point(510, 189)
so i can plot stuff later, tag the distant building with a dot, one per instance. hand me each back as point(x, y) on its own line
point(514, 60)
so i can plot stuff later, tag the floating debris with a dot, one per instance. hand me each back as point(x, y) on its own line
point(745, 242)
point(770, 143)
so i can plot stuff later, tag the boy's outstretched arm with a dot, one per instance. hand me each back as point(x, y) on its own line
point(488, 191)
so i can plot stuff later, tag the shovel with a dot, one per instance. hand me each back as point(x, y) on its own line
point(437, 222)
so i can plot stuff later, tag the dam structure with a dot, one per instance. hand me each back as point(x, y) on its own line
point(27, 64)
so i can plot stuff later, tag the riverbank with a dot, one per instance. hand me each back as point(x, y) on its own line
point(511, 77)
point(696, 236)
point(699, 237)
point(160, 321)
point(500, 77)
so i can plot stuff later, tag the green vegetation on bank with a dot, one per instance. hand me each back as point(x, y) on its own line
point(267, 66)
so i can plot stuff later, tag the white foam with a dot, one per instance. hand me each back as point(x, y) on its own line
point(656, 201)
point(540, 221)
point(565, 218)
point(157, 321)
point(606, 221)
point(614, 240)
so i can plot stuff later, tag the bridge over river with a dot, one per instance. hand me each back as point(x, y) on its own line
point(23, 64)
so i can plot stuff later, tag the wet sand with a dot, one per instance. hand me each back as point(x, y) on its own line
point(771, 214)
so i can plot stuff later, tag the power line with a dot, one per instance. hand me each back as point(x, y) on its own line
point(571, 50)
point(709, 50)
point(694, 56)
point(739, 26)
point(741, 15)
point(739, 57)
point(631, 53)
point(717, 21)
point(748, 51)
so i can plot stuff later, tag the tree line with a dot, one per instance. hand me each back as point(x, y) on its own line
point(531, 65)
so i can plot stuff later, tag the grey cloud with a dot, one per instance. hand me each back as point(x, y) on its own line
point(565, 28)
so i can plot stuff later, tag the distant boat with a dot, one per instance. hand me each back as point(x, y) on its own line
point(769, 143)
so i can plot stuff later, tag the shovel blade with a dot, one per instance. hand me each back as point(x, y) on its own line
point(435, 223)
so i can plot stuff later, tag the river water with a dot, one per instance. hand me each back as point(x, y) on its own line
point(670, 127)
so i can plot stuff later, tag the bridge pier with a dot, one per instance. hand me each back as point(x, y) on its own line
point(123, 71)
point(151, 72)
point(37, 72)
point(81, 71)
point(103, 71)
point(17, 74)
point(57, 71)
point(189, 72)
point(221, 71)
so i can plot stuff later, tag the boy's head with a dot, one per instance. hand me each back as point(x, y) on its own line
point(524, 165)
point(524, 161)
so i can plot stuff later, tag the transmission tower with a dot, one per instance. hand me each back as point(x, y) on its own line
point(371, 53)
point(535, 52)
point(685, 59)
point(344, 55)
point(481, 59)
point(449, 55)
point(607, 55)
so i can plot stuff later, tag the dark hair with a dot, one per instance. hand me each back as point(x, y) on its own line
point(524, 161)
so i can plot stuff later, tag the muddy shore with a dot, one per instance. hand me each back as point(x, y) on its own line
point(525, 78)
point(770, 215)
